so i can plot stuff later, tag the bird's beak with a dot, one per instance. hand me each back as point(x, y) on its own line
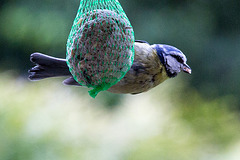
point(186, 69)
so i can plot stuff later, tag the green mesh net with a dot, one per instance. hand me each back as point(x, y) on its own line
point(100, 47)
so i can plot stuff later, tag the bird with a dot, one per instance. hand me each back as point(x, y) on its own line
point(152, 65)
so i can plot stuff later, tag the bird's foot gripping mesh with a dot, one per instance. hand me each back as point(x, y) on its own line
point(100, 47)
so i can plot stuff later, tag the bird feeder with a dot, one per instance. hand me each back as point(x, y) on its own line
point(100, 47)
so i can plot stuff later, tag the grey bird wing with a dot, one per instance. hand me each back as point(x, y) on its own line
point(71, 81)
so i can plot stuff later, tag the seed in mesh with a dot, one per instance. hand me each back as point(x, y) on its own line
point(101, 51)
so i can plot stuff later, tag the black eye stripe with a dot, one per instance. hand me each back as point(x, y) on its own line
point(178, 58)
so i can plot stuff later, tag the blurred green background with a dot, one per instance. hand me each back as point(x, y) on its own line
point(189, 117)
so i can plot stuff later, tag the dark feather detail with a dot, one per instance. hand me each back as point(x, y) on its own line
point(138, 69)
point(71, 81)
point(160, 53)
point(141, 41)
point(47, 66)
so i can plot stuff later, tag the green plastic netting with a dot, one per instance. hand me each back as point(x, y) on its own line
point(100, 47)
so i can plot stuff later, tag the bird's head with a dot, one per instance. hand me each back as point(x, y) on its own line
point(173, 59)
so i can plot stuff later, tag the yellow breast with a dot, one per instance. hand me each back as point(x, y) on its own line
point(146, 72)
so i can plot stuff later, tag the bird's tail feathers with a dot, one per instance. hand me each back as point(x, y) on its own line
point(47, 66)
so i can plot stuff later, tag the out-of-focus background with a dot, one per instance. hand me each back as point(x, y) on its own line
point(189, 117)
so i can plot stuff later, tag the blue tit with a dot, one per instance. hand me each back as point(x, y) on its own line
point(152, 65)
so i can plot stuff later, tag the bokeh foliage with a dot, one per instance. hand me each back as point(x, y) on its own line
point(62, 123)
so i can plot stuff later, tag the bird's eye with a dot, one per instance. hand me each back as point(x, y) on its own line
point(178, 58)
